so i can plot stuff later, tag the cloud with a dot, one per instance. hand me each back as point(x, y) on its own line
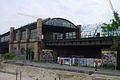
point(86, 11)
point(77, 11)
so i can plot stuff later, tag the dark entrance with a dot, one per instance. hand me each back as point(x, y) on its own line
point(29, 54)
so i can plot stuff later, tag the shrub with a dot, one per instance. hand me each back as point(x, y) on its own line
point(9, 56)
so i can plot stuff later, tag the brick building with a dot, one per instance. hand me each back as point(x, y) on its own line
point(29, 40)
point(52, 37)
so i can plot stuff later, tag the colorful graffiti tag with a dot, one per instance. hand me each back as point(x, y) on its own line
point(47, 55)
point(109, 57)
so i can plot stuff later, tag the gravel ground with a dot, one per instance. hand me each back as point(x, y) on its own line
point(35, 73)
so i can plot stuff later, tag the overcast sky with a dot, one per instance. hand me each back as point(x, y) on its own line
point(77, 11)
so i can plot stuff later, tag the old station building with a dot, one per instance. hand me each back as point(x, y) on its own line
point(50, 38)
point(30, 38)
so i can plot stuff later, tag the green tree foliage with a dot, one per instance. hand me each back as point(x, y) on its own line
point(114, 25)
point(110, 29)
point(9, 56)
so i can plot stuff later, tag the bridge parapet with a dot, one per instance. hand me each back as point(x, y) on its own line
point(81, 42)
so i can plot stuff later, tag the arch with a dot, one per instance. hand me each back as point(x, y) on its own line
point(59, 22)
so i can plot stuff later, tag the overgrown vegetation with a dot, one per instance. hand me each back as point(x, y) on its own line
point(113, 26)
point(111, 29)
point(9, 56)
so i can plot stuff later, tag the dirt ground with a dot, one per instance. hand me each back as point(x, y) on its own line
point(34, 73)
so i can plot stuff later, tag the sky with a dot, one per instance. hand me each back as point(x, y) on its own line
point(13, 12)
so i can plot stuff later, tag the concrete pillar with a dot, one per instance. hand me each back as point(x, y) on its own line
point(38, 43)
point(11, 35)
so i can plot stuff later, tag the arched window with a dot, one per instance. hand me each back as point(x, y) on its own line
point(59, 22)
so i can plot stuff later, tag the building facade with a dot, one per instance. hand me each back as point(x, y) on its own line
point(52, 37)
point(29, 40)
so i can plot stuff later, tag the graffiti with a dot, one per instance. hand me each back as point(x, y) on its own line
point(109, 57)
point(47, 55)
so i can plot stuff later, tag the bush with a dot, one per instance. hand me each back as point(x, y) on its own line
point(9, 56)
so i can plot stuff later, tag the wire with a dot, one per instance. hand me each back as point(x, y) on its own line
point(27, 15)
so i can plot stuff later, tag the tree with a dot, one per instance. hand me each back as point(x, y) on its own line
point(110, 29)
point(113, 26)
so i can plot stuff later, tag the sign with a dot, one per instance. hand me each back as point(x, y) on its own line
point(109, 57)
